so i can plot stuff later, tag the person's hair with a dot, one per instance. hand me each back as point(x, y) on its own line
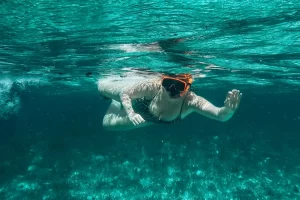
point(185, 77)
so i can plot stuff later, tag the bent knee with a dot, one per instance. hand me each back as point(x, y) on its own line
point(107, 125)
point(112, 122)
point(108, 120)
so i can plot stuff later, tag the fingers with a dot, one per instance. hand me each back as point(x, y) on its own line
point(233, 99)
point(236, 98)
point(137, 119)
point(228, 97)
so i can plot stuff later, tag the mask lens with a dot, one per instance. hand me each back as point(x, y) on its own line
point(173, 85)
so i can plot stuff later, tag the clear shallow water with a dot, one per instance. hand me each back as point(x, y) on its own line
point(255, 43)
point(52, 143)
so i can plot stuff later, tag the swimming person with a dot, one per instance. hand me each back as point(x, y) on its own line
point(139, 101)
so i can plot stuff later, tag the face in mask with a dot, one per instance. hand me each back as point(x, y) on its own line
point(175, 87)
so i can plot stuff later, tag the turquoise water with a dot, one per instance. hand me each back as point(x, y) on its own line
point(51, 139)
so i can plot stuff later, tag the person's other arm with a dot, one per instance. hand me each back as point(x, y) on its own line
point(202, 106)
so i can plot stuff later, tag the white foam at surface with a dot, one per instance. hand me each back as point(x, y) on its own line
point(10, 101)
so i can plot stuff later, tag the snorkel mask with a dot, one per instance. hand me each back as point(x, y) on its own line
point(177, 85)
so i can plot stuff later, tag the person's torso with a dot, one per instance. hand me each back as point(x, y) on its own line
point(159, 110)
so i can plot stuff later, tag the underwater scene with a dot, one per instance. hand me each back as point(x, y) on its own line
point(54, 140)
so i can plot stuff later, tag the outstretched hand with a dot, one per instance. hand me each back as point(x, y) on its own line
point(233, 99)
point(135, 118)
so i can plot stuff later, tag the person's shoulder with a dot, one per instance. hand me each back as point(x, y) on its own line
point(191, 95)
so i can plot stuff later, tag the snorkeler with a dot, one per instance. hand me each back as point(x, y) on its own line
point(166, 99)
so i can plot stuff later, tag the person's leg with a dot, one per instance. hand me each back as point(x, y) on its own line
point(116, 119)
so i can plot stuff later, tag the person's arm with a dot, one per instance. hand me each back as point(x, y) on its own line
point(126, 102)
point(202, 106)
point(134, 92)
point(138, 91)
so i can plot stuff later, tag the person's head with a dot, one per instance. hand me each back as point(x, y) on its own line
point(177, 84)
